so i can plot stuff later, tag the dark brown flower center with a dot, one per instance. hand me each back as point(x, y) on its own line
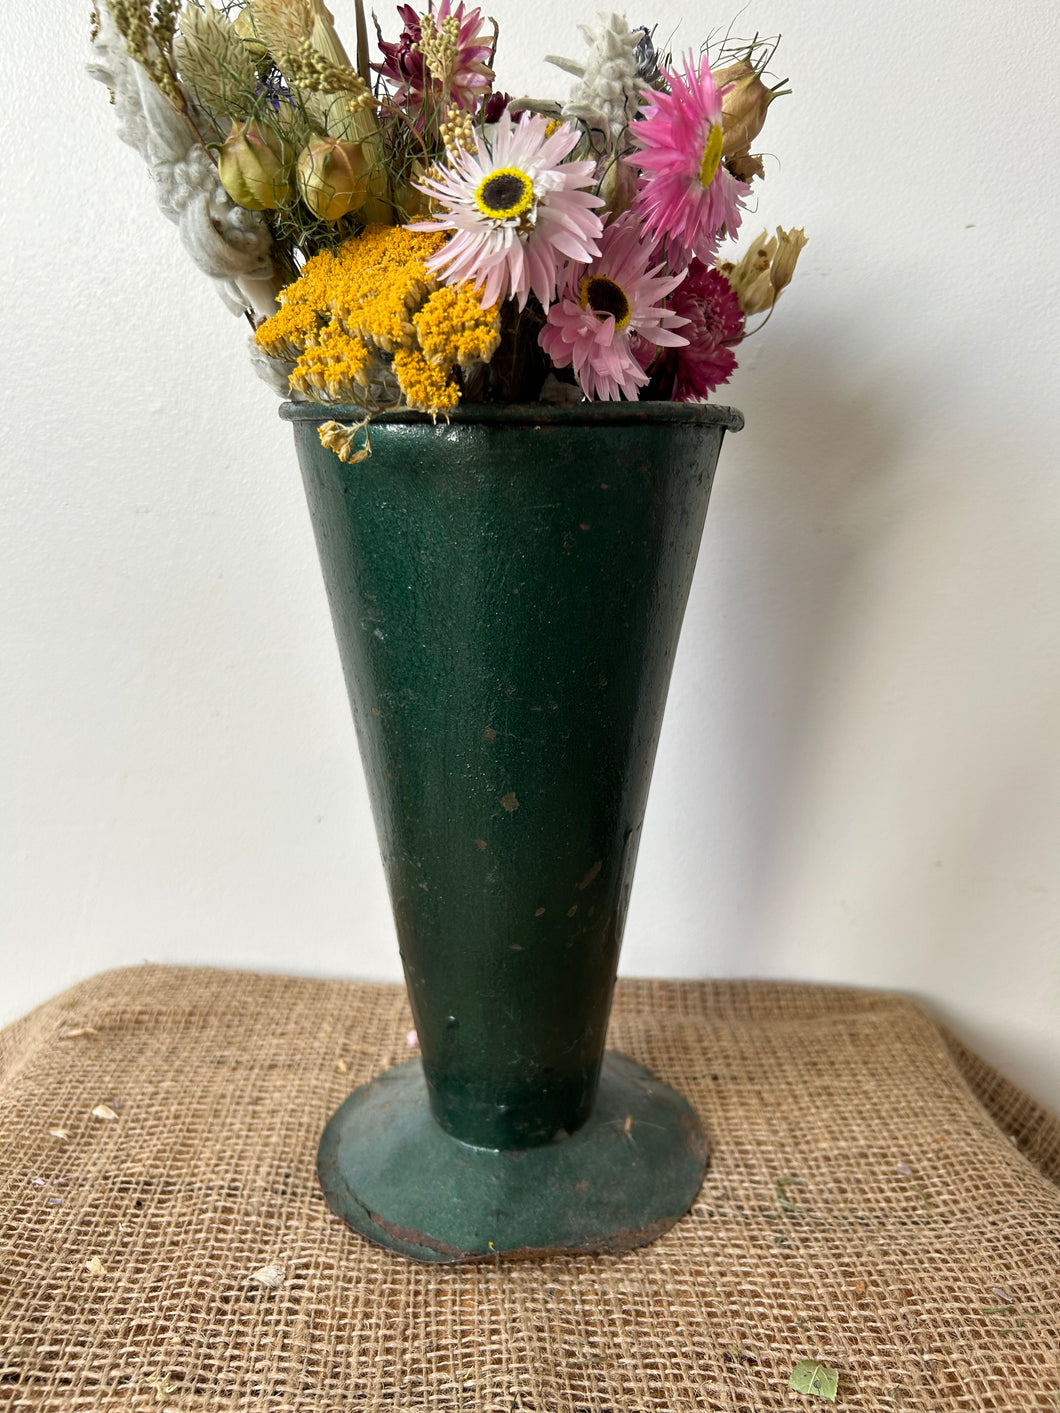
point(505, 194)
point(604, 297)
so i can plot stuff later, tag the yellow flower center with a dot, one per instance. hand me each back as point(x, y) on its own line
point(505, 194)
point(604, 297)
point(708, 168)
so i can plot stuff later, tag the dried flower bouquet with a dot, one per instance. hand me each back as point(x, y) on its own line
point(403, 234)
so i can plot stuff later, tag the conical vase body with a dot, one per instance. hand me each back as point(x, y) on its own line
point(507, 592)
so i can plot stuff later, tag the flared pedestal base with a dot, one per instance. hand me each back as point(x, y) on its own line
point(620, 1181)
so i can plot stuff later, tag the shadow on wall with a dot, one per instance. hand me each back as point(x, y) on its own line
point(799, 496)
point(878, 681)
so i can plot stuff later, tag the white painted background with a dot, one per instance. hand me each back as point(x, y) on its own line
point(859, 779)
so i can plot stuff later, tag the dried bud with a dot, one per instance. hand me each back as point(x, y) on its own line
point(750, 278)
point(743, 107)
point(619, 186)
point(746, 168)
point(333, 177)
point(765, 270)
point(253, 167)
point(789, 244)
point(245, 27)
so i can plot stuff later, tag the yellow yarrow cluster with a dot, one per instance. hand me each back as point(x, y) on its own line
point(452, 327)
point(373, 302)
point(331, 363)
point(285, 335)
point(427, 387)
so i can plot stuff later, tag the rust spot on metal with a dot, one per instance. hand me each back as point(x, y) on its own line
point(597, 866)
point(624, 1240)
point(416, 1238)
point(509, 802)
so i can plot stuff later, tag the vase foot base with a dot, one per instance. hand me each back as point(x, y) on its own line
point(625, 1177)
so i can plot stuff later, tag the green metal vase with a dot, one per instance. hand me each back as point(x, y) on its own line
point(507, 590)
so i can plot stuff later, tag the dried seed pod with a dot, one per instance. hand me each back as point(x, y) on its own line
point(743, 107)
point(333, 177)
point(254, 167)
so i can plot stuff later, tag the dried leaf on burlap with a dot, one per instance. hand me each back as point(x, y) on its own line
point(268, 1275)
point(808, 1376)
point(161, 1385)
point(103, 1111)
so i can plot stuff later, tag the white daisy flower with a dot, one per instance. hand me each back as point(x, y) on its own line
point(517, 209)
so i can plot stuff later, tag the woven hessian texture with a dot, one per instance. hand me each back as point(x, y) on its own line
point(878, 1199)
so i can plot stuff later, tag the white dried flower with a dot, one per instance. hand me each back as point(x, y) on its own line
point(608, 90)
point(228, 243)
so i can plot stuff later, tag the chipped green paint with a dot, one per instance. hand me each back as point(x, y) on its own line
point(507, 593)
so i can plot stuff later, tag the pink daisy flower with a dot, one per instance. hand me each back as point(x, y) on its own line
point(687, 195)
point(714, 321)
point(404, 67)
point(517, 210)
point(610, 315)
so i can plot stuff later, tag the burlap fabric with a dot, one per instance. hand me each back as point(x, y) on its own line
point(878, 1199)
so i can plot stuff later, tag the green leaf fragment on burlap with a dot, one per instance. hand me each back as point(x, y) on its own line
point(809, 1376)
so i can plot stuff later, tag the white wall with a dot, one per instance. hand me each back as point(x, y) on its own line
point(859, 778)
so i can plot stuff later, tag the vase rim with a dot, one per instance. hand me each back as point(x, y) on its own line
point(506, 414)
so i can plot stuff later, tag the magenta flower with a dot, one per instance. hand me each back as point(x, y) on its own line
point(469, 78)
point(517, 210)
point(686, 197)
point(495, 105)
point(714, 322)
point(610, 315)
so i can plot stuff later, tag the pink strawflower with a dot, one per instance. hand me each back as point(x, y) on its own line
point(715, 322)
point(611, 313)
point(686, 196)
point(517, 211)
point(470, 77)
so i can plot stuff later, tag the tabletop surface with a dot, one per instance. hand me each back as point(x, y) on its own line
point(878, 1201)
